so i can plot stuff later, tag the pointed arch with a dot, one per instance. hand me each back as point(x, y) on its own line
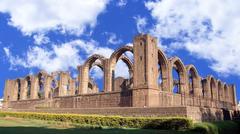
point(212, 87)
point(118, 53)
point(193, 80)
point(163, 70)
point(94, 60)
point(114, 58)
point(177, 64)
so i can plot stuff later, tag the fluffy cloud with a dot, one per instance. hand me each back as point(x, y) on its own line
point(113, 39)
point(32, 16)
point(40, 39)
point(59, 57)
point(141, 23)
point(208, 29)
point(65, 56)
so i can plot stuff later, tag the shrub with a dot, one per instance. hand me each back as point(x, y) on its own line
point(220, 127)
point(174, 123)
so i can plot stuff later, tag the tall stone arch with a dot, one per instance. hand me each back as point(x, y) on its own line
point(220, 90)
point(111, 64)
point(210, 87)
point(84, 71)
point(193, 80)
point(163, 70)
point(177, 64)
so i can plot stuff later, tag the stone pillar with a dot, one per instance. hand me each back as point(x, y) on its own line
point(83, 79)
point(47, 86)
point(23, 93)
point(63, 83)
point(206, 87)
point(72, 87)
point(14, 92)
point(197, 87)
point(145, 72)
point(6, 94)
point(234, 97)
point(108, 78)
point(34, 87)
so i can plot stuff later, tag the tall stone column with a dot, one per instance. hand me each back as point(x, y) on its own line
point(6, 94)
point(34, 86)
point(63, 83)
point(14, 93)
point(47, 86)
point(108, 80)
point(234, 96)
point(145, 72)
point(72, 87)
point(23, 93)
point(197, 87)
point(83, 79)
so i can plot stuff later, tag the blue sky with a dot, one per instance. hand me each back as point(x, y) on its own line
point(59, 35)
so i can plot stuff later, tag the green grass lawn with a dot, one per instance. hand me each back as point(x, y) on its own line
point(10, 125)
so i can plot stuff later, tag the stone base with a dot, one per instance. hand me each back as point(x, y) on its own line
point(195, 113)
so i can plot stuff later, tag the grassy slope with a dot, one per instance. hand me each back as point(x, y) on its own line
point(23, 126)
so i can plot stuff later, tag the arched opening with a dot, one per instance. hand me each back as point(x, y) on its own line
point(178, 71)
point(18, 89)
point(162, 71)
point(28, 79)
point(54, 92)
point(41, 81)
point(68, 86)
point(193, 81)
point(92, 72)
point(176, 81)
point(76, 87)
point(203, 91)
point(123, 73)
point(54, 88)
point(121, 69)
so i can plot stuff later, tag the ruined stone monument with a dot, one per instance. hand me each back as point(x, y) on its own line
point(147, 92)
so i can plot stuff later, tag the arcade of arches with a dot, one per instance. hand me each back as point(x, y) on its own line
point(151, 83)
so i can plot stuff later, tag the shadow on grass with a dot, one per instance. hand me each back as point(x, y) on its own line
point(43, 130)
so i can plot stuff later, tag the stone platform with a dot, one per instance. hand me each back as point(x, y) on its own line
point(195, 113)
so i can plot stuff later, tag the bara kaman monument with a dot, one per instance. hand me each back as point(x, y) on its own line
point(199, 98)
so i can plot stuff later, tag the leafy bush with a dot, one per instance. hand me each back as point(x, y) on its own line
point(174, 123)
point(220, 127)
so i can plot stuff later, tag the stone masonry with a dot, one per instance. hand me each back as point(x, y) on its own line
point(150, 87)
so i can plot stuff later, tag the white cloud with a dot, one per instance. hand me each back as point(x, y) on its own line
point(35, 16)
point(113, 39)
point(209, 29)
point(141, 23)
point(40, 39)
point(59, 57)
point(122, 3)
